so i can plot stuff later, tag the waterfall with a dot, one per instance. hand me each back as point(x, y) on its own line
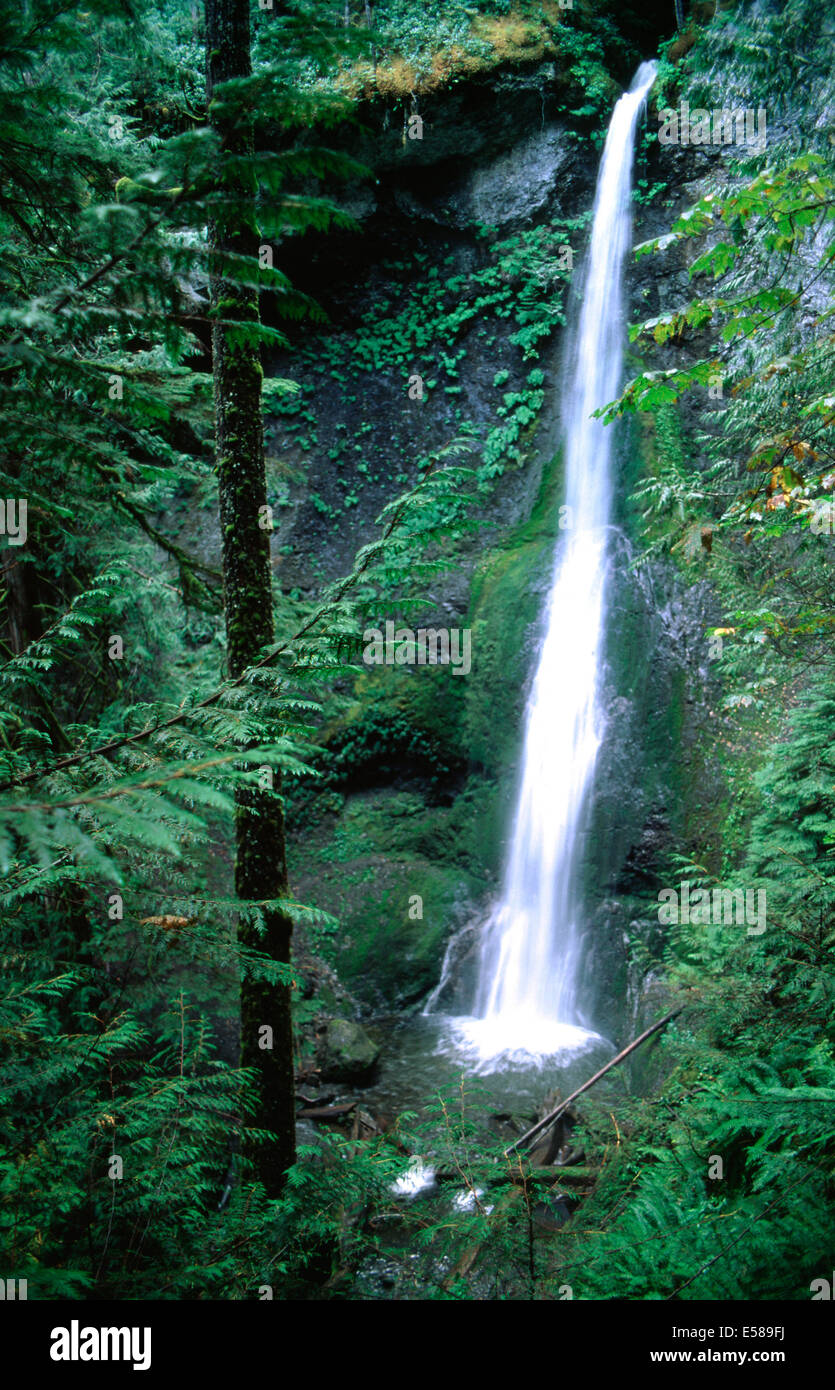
point(531, 947)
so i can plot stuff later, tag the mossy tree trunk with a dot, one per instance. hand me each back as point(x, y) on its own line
point(261, 866)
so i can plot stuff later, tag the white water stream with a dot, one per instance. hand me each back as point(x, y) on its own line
point(531, 952)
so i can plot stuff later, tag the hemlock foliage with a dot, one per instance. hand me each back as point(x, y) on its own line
point(126, 1126)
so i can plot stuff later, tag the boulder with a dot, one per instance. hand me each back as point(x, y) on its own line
point(345, 1052)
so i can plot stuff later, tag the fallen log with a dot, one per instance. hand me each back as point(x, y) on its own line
point(555, 1172)
point(364, 1124)
point(555, 1114)
point(326, 1112)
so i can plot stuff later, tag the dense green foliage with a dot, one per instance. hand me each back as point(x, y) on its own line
point(123, 745)
point(124, 742)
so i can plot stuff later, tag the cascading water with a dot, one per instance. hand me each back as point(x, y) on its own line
point(531, 947)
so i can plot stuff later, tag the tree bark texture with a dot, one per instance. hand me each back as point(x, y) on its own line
point(260, 866)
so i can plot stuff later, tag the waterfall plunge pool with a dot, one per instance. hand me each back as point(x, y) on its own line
point(427, 1054)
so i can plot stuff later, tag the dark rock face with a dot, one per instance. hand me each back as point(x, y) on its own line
point(538, 176)
point(466, 123)
point(495, 152)
point(650, 782)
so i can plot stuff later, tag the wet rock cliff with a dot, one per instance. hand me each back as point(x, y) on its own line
point(446, 308)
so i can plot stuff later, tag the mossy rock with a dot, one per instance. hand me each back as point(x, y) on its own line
point(403, 722)
point(421, 771)
point(508, 597)
point(345, 1052)
point(395, 913)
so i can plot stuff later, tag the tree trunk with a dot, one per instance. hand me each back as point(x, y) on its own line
point(261, 866)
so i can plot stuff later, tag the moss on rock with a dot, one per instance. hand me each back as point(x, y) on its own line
point(396, 907)
point(508, 594)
